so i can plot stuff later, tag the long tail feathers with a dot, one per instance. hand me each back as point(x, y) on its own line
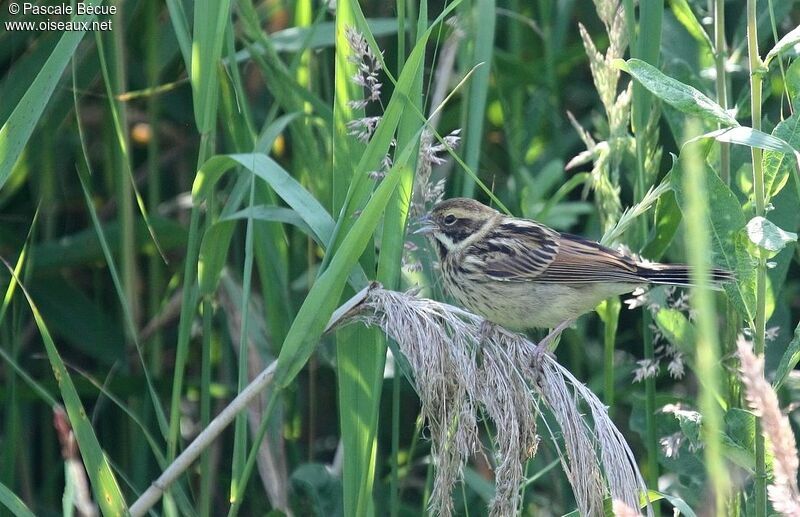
point(679, 274)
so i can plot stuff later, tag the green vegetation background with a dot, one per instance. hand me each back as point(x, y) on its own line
point(184, 202)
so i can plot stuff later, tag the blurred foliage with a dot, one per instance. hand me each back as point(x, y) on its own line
point(273, 89)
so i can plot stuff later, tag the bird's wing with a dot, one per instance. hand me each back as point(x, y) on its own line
point(583, 261)
point(513, 251)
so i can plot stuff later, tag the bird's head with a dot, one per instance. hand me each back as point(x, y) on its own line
point(452, 222)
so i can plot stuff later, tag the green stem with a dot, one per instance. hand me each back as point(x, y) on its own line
point(206, 475)
point(394, 481)
point(761, 274)
point(720, 57)
point(188, 307)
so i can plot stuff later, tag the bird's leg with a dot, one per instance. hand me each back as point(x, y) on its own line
point(487, 331)
point(543, 347)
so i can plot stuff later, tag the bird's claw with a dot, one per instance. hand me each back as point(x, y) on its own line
point(487, 331)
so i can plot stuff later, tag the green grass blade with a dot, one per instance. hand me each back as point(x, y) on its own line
point(106, 490)
point(14, 504)
point(287, 188)
point(240, 425)
point(130, 324)
point(324, 295)
point(210, 18)
point(358, 350)
point(180, 26)
point(378, 146)
point(17, 130)
point(9, 295)
point(217, 238)
point(483, 49)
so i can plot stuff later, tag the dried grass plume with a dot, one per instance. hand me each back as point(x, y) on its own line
point(464, 367)
point(762, 399)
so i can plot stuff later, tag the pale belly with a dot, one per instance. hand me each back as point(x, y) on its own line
point(525, 305)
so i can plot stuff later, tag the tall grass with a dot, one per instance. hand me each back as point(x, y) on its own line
point(207, 204)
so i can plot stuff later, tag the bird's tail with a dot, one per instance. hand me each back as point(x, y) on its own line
point(680, 274)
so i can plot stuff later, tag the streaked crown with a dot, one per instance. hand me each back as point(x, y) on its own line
point(453, 221)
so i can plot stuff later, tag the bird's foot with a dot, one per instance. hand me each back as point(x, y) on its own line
point(543, 348)
point(487, 331)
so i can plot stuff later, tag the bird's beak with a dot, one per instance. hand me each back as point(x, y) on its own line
point(426, 225)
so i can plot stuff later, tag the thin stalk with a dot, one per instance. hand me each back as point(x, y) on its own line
point(206, 475)
point(394, 481)
point(240, 433)
point(155, 269)
point(188, 307)
point(647, 49)
point(118, 81)
point(610, 318)
point(761, 271)
point(394, 478)
point(155, 266)
point(732, 319)
point(720, 58)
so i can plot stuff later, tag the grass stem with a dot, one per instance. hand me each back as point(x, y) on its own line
point(759, 333)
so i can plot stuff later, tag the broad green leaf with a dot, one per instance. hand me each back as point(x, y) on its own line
point(739, 437)
point(728, 242)
point(789, 360)
point(767, 237)
point(680, 96)
point(750, 137)
point(784, 214)
point(210, 17)
point(677, 328)
point(788, 41)
point(20, 124)
point(106, 490)
point(793, 82)
point(769, 143)
point(667, 221)
point(778, 165)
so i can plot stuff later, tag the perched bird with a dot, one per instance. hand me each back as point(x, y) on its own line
point(523, 275)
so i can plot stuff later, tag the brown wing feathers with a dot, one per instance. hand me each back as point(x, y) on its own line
point(581, 260)
point(523, 250)
point(517, 250)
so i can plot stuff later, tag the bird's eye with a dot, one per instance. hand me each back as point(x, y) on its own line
point(450, 219)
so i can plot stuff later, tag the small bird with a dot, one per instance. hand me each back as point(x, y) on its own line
point(522, 275)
